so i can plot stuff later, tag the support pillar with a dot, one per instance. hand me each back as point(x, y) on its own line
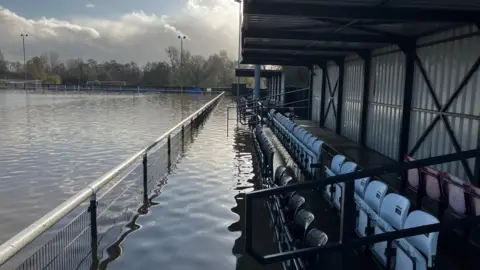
point(341, 75)
point(256, 89)
point(367, 65)
point(323, 66)
point(409, 51)
point(310, 93)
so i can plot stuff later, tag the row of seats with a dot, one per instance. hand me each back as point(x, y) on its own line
point(303, 146)
point(291, 220)
point(291, 214)
point(379, 212)
point(444, 195)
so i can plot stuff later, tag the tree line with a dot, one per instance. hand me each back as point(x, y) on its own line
point(180, 69)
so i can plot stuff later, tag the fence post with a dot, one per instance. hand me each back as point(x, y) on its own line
point(347, 223)
point(145, 178)
point(92, 208)
point(183, 136)
point(169, 151)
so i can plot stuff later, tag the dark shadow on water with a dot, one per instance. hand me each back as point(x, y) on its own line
point(263, 237)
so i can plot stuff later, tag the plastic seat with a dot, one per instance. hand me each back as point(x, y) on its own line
point(361, 185)
point(295, 204)
point(374, 195)
point(337, 162)
point(302, 222)
point(417, 252)
point(413, 190)
point(456, 200)
point(473, 198)
point(434, 201)
point(393, 213)
point(347, 167)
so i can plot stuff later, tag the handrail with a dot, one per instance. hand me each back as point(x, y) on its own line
point(27, 235)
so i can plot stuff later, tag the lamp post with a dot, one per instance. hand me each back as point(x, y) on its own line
point(24, 58)
point(181, 60)
point(239, 49)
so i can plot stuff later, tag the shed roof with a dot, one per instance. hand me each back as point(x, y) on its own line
point(306, 32)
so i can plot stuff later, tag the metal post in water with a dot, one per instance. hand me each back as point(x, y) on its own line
point(256, 89)
point(145, 178)
point(169, 151)
point(183, 136)
point(92, 208)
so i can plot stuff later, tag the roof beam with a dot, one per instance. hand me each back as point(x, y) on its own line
point(305, 58)
point(299, 35)
point(361, 12)
point(315, 48)
point(275, 62)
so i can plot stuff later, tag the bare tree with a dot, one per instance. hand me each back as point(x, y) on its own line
point(54, 61)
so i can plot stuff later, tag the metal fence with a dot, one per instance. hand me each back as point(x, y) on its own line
point(76, 234)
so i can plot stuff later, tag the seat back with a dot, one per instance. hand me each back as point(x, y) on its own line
point(295, 204)
point(413, 175)
point(348, 167)
point(425, 243)
point(473, 197)
point(302, 220)
point(394, 210)
point(392, 216)
point(456, 193)
point(433, 186)
point(337, 162)
point(375, 194)
point(361, 185)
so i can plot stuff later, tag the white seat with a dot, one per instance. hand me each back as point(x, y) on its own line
point(361, 185)
point(417, 252)
point(393, 213)
point(347, 167)
point(337, 162)
point(370, 205)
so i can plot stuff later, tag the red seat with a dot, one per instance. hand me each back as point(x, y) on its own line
point(414, 186)
point(457, 205)
point(473, 199)
point(434, 201)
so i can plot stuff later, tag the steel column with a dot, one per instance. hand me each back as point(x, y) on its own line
point(323, 94)
point(367, 64)
point(310, 93)
point(341, 75)
point(476, 178)
point(92, 208)
point(145, 178)
point(169, 151)
point(347, 223)
point(256, 90)
point(409, 51)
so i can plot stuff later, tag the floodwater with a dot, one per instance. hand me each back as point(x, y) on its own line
point(53, 144)
point(196, 221)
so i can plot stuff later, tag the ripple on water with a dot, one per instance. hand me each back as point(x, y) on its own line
point(191, 226)
point(51, 145)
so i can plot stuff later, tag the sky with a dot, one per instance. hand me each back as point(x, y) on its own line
point(122, 30)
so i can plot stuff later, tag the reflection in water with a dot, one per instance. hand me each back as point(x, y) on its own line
point(52, 145)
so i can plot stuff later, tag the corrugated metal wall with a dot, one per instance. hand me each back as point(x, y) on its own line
point(385, 101)
point(352, 98)
point(331, 88)
point(446, 65)
point(316, 93)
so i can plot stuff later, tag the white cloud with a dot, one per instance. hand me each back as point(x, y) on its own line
point(90, 6)
point(135, 36)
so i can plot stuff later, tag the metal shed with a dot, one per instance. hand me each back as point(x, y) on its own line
point(397, 76)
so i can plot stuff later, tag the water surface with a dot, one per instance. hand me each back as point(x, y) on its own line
point(53, 144)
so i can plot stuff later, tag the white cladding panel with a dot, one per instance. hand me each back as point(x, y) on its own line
point(385, 102)
point(352, 98)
